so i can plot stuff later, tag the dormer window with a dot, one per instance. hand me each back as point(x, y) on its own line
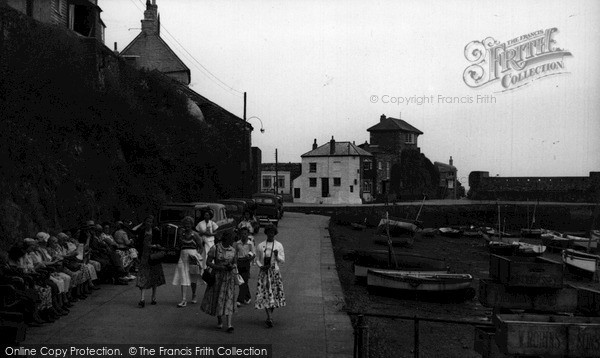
point(409, 138)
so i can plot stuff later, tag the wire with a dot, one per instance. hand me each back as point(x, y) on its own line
point(197, 63)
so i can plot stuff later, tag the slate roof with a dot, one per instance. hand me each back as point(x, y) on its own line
point(342, 149)
point(393, 124)
point(165, 60)
point(443, 167)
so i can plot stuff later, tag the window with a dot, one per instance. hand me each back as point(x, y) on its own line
point(281, 182)
point(337, 181)
point(312, 182)
point(409, 138)
point(352, 188)
point(355, 181)
point(379, 165)
point(312, 167)
point(296, 193)
point(367, 186)
point(367, 164)
point(266, 182)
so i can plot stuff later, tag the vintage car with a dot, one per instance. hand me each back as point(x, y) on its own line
point(171, 214)
point(269, 208)
point(235, 208)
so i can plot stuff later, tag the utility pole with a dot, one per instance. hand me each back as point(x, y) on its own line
point(276, 175)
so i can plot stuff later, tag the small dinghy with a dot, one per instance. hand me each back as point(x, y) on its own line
point(402, 261)
point(450, 232)
point(425, 282)
point(580, 261)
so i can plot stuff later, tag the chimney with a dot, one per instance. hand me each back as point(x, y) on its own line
point(315, 144)
point(332, 146)
point(450, 161)
point(151, 22)
point(382, 118)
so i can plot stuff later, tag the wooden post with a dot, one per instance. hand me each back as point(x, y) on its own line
point(416, 336)
point(361, 338)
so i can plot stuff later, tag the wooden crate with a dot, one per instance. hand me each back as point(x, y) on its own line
point(548, 335)
point(521, 271)
point(485, 344)
point(497, 295)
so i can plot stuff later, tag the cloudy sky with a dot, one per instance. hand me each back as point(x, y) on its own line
point(316, 69)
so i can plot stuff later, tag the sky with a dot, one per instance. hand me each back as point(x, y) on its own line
point(315, 69)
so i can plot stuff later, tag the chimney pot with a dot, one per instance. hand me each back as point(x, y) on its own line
point(315, 144)
point(451, 161)
point(382, 118)
point(332, 146)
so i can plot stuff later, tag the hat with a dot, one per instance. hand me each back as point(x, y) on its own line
point(271, 227)
point(89, 224)
point(42, 236)
point(98, 227)
point(245, 225)
point(62, 236)
point(29, 241)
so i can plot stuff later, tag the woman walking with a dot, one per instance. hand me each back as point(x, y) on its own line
point(269, 291)
point(150, 274)
point(245, 254)
point(188, 267)
point(219, 298)
point(207, 229)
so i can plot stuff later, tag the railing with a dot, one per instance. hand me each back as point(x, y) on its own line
point(361, 333)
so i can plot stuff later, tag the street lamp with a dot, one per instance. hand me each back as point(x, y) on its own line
point(262, 129)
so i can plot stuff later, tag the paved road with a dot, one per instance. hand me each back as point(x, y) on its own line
point(311, 325)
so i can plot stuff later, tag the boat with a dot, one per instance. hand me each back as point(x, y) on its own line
point(395, 232)
point(526, 249)
point(555, 240)
point(502, 248)
point(531, 233)
point(583, 242)
point(424, 282)
point(429, 232)
point(472, 232)
point(580, 260)
point(380, 259)
point(450, 232)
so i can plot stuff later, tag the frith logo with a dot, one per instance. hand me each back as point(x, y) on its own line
point(514, 63)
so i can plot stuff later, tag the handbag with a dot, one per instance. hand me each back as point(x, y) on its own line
point(267, 260)
point(156, 257)
point(239, 280)
point(208, 277)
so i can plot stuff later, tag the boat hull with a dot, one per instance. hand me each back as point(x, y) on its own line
point(430, 283)
point(407, 241)
point(379, 259)
point(580, 260)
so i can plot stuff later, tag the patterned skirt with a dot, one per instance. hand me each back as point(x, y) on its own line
point(45, 295)
point(269, 290)
point(219, 299)
point(150, 276)
point(127, 256)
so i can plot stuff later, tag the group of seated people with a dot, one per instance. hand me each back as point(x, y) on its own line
point(42, 277)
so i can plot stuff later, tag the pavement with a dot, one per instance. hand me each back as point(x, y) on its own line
point(437, 202)
point(311, 325)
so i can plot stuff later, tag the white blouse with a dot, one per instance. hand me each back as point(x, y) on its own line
point(265, 249)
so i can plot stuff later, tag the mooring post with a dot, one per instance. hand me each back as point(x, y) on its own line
point(416, 335)
point(361, 338)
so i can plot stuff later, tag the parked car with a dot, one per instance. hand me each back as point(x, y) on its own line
point(269, 208)
point(235, 208)
point(251, 204)
point(171, 214)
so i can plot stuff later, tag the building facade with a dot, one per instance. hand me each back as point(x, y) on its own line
point(79, 16)
point(334, 173)
point(388, 139)
point(448, 188)
point(285, 174)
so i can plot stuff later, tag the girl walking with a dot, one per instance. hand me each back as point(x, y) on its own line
point(269, 291)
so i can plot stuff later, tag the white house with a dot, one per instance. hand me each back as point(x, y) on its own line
point(333, 174)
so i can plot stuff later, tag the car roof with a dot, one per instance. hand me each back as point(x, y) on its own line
point(234, 201)
point(184, 204)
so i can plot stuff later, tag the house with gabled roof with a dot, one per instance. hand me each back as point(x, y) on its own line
point(148, 50)
point(334, 173)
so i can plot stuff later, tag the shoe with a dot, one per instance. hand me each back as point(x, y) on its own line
point(194, 299)
point(131, 277)
point(230, 329)
point(153, 302)
point(237, 304)
point(247, 302)
point(142, 304)
point(269, 323)
point(182, 304)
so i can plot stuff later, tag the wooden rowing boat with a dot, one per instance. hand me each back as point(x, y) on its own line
point(426, 282)
point(450, 232)
point(580, 260)
point(380, 259)
point(526, 249)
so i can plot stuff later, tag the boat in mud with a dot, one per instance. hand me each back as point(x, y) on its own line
point(395, 232)
point(527, 249)
point(502, 248)
point(381, 259)
point(581, 261)
point(428, 232)
point(531, 233)
point(450, 232)
point(425, 282)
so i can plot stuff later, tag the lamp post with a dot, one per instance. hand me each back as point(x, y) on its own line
point(262, 130)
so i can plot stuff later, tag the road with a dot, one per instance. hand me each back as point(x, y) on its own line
point(311, 325)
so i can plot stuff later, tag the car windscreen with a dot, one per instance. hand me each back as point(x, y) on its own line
point(232, 208)
point(175, 214)
point(264, 201)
